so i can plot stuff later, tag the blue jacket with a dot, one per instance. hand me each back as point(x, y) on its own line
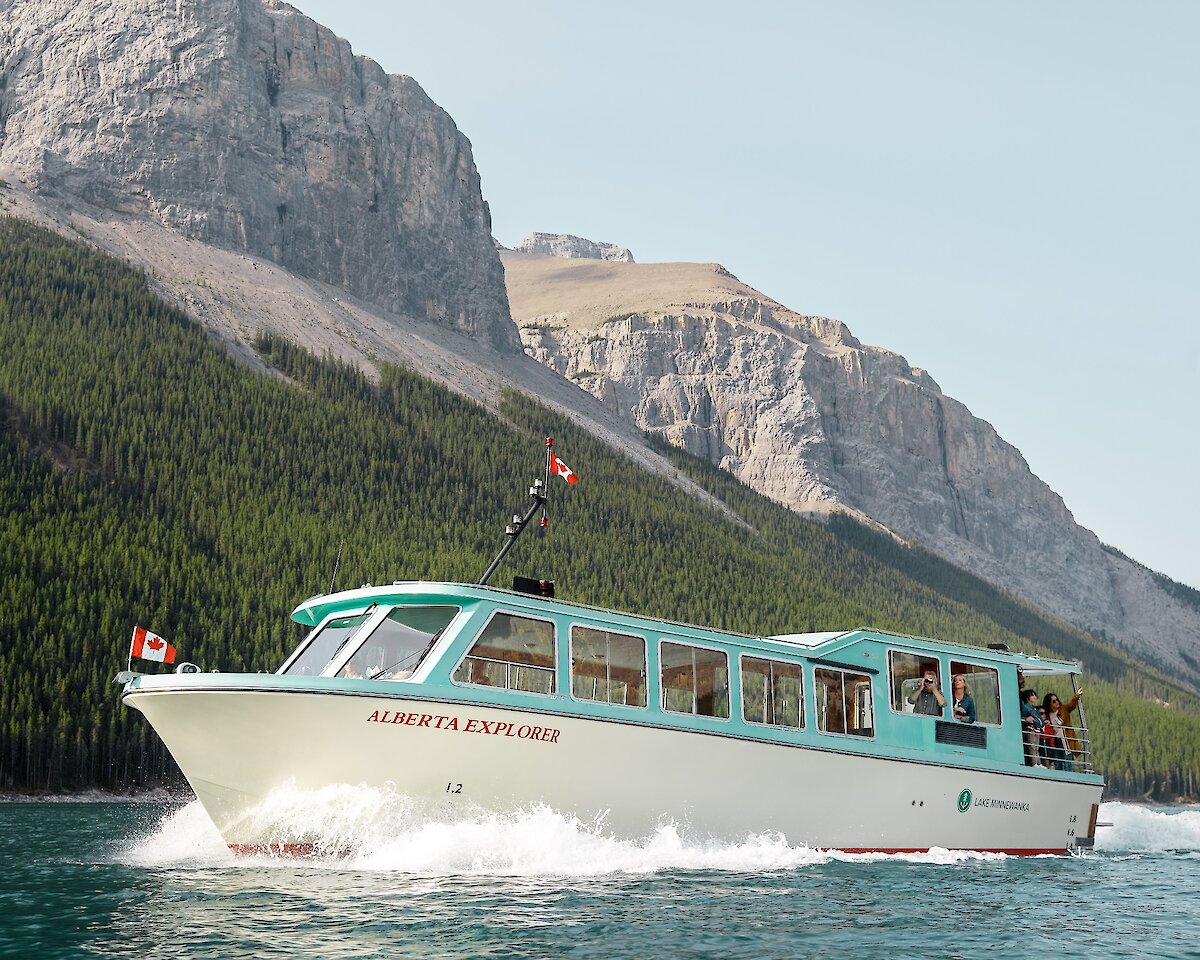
point(967, 704)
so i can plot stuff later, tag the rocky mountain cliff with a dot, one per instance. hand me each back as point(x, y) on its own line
point(575, 248)
point(800, 410)
point(244, 124)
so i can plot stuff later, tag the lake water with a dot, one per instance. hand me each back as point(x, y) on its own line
point(153, 880)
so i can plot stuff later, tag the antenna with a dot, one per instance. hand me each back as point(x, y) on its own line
point(336, 564)
point(537, 496)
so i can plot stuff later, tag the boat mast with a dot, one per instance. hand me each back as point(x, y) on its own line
point(537, 495)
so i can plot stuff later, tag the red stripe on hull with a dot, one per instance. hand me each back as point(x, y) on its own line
point(1009, 851)
point(273, 849)
point(309, 849)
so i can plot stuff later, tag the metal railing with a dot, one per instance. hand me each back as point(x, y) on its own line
point(1082, 758)
point(512, 675)
point(1050, 755)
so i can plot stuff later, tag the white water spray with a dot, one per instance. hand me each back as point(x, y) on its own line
point(369, 829)
point(1138, 829)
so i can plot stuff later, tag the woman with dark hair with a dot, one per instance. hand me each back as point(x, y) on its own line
point(1058, 717)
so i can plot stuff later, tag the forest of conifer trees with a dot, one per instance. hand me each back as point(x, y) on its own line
point(147, 477)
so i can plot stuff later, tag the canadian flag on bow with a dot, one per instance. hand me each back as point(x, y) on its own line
point(150, 646)
point(559, 468)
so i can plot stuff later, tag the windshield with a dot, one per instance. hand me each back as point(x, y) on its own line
point(396, 647)
point(325, 644)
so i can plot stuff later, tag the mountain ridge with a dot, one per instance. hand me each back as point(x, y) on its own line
point(802, 411)
point(246, 158)
point(213, 502)
point(237, 296)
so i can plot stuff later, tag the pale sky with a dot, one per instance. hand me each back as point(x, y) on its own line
point(1003, 192)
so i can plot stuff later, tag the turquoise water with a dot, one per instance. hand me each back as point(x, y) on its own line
point(146, 880)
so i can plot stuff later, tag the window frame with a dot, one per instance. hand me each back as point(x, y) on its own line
point(343, 657)
point(571, 665)
point(937, 657)
point(999, 696)
point(316, 631)
point(845, 733)
point(662, 688)
point(799, 665)
point(524, 615)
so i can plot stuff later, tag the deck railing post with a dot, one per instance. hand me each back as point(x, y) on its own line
point(1082, 732)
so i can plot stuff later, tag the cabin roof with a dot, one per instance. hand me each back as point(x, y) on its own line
point(313, 610)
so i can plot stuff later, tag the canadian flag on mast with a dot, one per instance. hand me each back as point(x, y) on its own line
point(559, 468)
point(150, 646)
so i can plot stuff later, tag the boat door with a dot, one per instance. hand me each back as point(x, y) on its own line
point(863, 712)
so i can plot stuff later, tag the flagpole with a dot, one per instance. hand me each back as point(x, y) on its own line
point(549, 453)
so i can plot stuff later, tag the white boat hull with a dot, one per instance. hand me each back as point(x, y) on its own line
point(236, 746)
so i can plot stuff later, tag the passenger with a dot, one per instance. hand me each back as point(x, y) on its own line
point(927, 699)
point(1020, 687)
point(1031, 727)
point(1052, 750)
point(962, 706)
point(1059, 715)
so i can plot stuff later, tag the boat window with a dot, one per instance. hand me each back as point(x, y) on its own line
point(396, 647)
point(606, 666)
point(694, 680)
point(325, 644)
point(983, 687)
point(907, 676)
point(513, 652)
point(772, 692)
point(844, 702)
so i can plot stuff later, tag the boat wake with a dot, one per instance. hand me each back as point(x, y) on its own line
point(368, 829)
point(1138, 829)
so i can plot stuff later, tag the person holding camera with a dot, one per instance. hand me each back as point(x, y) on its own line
point(927, 699)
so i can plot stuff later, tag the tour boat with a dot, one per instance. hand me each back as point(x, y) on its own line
point(472, 697)
point(470, 694)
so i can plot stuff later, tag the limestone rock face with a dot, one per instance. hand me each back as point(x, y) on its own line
point(801, 411)
point(244, 124)
point(565, 245)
